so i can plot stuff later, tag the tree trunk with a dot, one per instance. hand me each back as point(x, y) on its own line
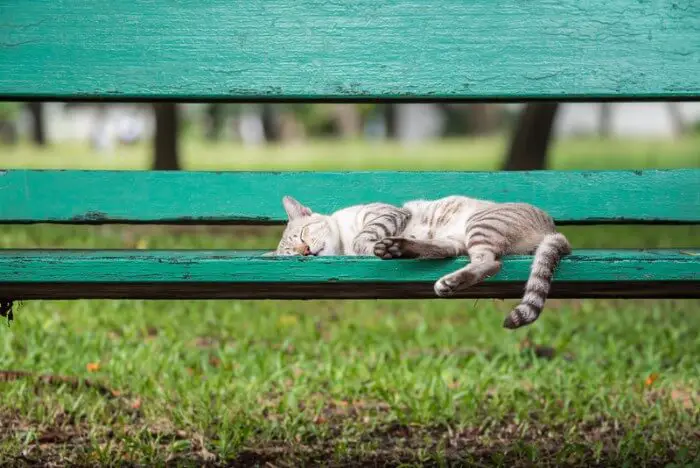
point(482, 119)
point(605, 122)
point(347, 120)
point(8, 132)
point(530, 141)
point(677, 123)
point(36, 110)
point(215, 123)
point(391, 121)
point(165, 142)
point(270, 123)
point(290, 129)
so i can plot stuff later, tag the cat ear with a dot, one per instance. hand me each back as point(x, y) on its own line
point(295, 209)
point(269, 254)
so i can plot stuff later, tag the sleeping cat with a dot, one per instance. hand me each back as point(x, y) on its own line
point(448, 227)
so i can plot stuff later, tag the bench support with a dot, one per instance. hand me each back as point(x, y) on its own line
point(191, 274)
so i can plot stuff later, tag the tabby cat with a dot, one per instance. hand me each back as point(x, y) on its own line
point(448, 227)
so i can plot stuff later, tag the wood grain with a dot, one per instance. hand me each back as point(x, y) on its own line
point(358, 50)
point(571, 197)
point(245, 274)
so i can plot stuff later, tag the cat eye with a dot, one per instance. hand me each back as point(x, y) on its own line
point(302, 234)
point(307, 249)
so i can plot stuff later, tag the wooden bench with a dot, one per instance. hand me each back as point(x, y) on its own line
point(402, 50)
point(96, 197)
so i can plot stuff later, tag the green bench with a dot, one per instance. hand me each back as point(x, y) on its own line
point(97, 197)
point(401, 50)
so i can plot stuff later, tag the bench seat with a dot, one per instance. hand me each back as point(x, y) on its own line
point(180, 274)
point(254, 198)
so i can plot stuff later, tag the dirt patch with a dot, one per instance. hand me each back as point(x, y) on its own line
point(505, 445)
point(66, 441)
point(60, 380)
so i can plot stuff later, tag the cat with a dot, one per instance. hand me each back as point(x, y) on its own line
point(448, 227)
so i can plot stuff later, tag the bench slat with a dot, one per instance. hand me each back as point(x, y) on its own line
point(99, 197)
point(70, 274)
point(359, 49)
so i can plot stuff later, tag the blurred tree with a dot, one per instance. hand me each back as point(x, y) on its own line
point(166, 156)
point(677, 123)
point(215, 121)
point(456, 121)
point(324, 120)
point(391, 121)
point(347, 120)
point(605, 122)
point(530, 140)
point(315, 118)
point(9, 112)
point(483, 119)
point(283, 123)
point(290, 126)
point(270, 123)
point(471, 119)
point(36, 111)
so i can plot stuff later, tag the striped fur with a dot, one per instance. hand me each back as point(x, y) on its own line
point(449, 227)
point(547, 255)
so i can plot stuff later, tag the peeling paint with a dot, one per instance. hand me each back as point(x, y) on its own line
point(90, 217)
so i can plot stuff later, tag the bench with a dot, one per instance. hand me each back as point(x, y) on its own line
point(306, 50)
point(99, 197)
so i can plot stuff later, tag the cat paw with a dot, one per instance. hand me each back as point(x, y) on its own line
point(389, 247)
point(445, 287)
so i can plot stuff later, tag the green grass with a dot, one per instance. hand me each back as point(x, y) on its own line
point(454, 154)
point(289, 383)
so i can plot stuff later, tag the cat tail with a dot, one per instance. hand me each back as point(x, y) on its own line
point(547, 256)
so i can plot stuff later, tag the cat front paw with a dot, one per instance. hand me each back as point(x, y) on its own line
point(390, 247)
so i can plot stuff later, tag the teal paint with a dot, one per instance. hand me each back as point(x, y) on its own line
point(187, 266)
point(571, 197)
point(359, 49)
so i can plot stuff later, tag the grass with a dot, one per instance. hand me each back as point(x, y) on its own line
point(291, 383)
point(454, 154)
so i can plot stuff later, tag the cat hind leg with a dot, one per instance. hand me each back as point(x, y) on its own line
point(483, 264)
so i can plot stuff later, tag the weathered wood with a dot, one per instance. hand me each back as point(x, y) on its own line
point(306, 291)
point(244, 274)
point(359, 49)
point(95, 197)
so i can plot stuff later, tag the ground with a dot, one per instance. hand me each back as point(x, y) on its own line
point(349, 383)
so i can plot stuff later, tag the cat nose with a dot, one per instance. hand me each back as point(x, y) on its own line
point(303, 249)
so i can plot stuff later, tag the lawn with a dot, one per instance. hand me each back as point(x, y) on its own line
point(292, 383)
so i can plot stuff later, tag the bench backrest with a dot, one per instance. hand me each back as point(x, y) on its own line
point(354, 49)
point(98, 197)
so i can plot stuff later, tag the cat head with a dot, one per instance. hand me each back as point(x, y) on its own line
point(307, 233)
